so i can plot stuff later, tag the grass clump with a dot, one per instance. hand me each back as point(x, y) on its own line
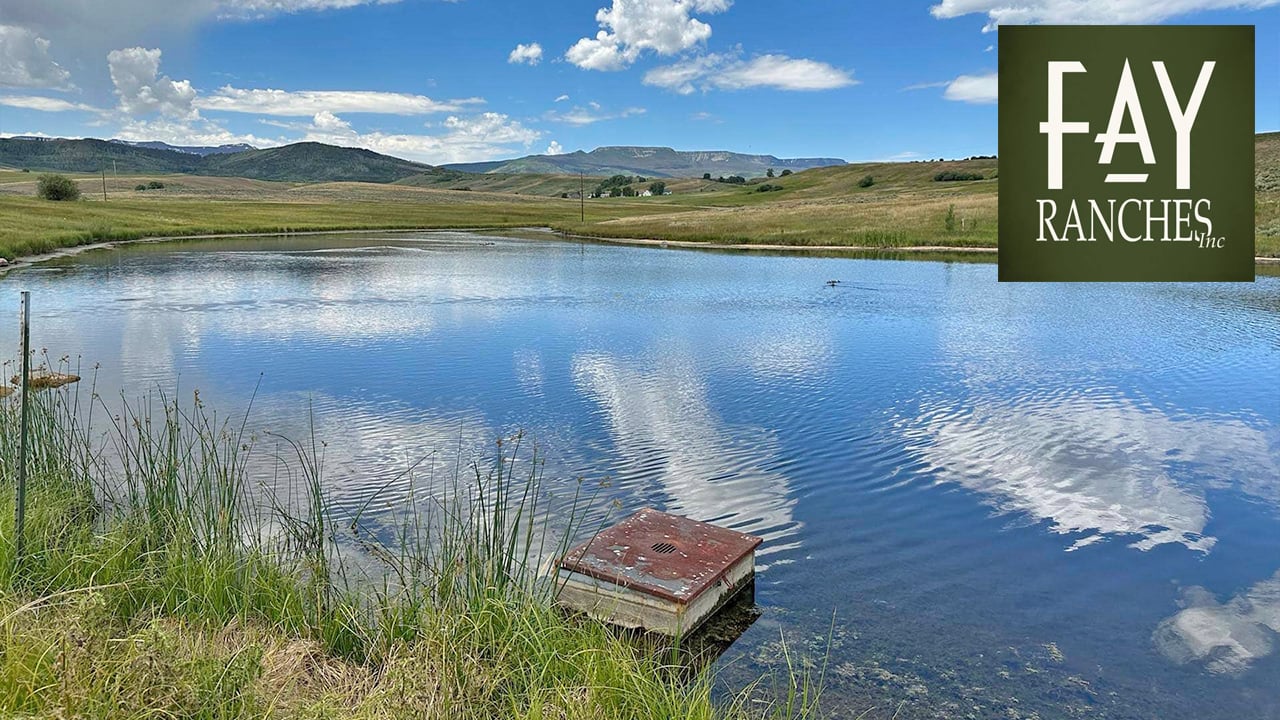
point(177, 565)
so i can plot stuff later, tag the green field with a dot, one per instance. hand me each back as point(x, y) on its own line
point(825, 207)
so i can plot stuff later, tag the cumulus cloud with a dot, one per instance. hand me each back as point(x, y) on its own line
point(580, 116)
point(44, 104)
point(309, 102)
point(978, 89)
point(531, 54)
point(464, 139)
point(727, 72)
point(630, 27)
point(555, 148)
point(142, 90)
point(25, 61)
point(1071, 12)
point(181, 132)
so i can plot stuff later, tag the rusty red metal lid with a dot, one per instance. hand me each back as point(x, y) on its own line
point(663, 555)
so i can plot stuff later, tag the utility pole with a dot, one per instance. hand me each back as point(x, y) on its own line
point(582, 196)
point(104, 184)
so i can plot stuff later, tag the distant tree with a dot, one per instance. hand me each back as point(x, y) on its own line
point(768, 188)
point(950, 220)
point(615, 192)
point(736, 180)
point(564, 196)
point(628, 191)
point(786, 173)
point(26, 170)
point(155, 185)
point(139, 187)
point(639, 179)
point(866, 182)
point(769, 174)
point(706, 176)
point(657, 187)
point(57, 187)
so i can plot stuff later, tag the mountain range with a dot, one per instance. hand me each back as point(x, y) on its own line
point(317, 162)
point(300, 162)
point(649, 161)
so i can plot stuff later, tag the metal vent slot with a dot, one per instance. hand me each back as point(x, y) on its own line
point(664, 548)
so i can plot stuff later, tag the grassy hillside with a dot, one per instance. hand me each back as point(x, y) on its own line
point(93, 156)
point(647, 161)
point(902, 206)
point(300, 162)
point(312, 162)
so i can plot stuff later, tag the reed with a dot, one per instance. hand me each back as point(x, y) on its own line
point(178, 565)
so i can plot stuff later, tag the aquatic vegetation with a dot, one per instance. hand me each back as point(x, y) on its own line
point(163, 575)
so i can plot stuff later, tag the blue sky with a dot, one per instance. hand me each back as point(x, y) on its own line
point(468, 80)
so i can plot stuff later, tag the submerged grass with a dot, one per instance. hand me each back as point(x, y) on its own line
point(162, 577)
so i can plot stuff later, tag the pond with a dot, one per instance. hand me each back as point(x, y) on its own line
point(978, 500)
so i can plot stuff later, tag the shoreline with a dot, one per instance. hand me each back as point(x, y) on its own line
point(73, 250)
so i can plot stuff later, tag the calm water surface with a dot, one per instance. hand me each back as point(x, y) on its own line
point(1015, 501)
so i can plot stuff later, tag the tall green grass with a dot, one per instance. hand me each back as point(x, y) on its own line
point(164, 575)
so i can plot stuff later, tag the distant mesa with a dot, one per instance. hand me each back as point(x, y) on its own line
point(660, 162)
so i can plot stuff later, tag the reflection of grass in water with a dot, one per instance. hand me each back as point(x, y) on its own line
point(159, 581)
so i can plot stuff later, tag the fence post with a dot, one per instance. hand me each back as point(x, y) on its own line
point(21, 505)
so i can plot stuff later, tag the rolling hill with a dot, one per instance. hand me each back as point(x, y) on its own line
point(300, 162)
point(648, 161)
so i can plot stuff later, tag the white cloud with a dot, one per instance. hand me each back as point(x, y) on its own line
point(143, 90)
point(531, 54)
point(630, 27)
point(726, 72)
point(44, 104)
point(1071, 12)
point(583, 116)
point(180, 132)
point(555, 148)
point(562, 98)
point(25, 61)
point(487, 136)
point(1227, 637)
point(978, 89)
point(926, 86)
point(263, 8)
point(309, 102)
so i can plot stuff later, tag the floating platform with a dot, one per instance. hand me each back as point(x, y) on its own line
point(658, 572)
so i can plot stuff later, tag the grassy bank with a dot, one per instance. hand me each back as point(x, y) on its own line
point(903, 206)
point(163, 576)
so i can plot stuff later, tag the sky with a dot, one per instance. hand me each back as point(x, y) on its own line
point(442, 81)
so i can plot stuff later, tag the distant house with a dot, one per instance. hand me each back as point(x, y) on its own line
point(646, 193)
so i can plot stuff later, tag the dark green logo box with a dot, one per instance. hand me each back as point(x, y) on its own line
point(1175, 202)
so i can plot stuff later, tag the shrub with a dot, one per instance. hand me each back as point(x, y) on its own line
point(139, 187)
point(26, 170)
point(155, 185)
point(57, 187)
point(866, 182)
point(770, 173)
point(769, 188)
point(786, 173)
point(658, 187)
point(706, 176)
point(950, 220)
point(953, 176)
